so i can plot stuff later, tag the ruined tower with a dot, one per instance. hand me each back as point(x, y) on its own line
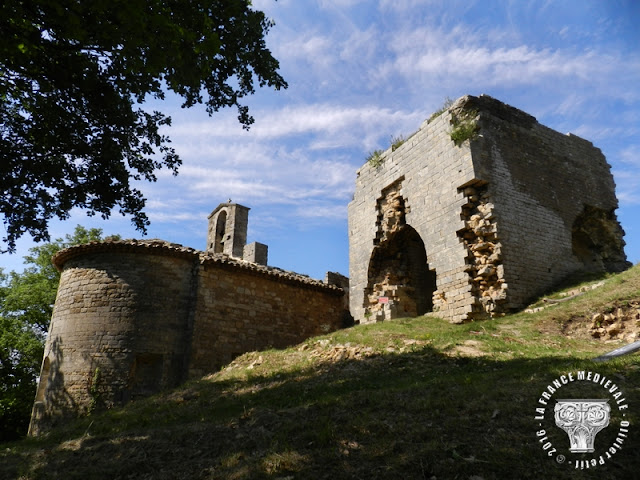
point(477, 213)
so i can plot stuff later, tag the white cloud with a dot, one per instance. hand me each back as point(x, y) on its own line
point(520, 65)
point(626, 173)
point(595, 132)
point(627, 187)
point(326, 120)
point(312, 49)
point(293, 178)
point(339, 3)
point(631, 156)
point(323, 212)
point(410, 5)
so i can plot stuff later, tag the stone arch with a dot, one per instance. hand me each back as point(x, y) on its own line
point(221, 227)
point(400, 283)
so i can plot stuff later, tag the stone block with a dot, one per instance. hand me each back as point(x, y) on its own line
point(256, 253)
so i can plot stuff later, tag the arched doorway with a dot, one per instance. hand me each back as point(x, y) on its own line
point(400, 283)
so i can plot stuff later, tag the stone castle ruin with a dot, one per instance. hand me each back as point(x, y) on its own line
point(132, 318)
point(477, 213)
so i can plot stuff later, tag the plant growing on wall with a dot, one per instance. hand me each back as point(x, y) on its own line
point(94, 390)
point(375, 158)
point(465, 126)
point(397, 141)
point(445, 106)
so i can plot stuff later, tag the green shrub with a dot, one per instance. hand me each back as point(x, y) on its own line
point(375, 158)
point(465, 126)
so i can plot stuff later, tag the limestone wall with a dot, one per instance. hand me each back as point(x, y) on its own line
point(553, 199)
point(502, 216)
point(132, 318)
point(427, 173)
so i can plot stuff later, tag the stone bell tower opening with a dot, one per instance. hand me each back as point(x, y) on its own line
point(228, 229)
point(221, 225)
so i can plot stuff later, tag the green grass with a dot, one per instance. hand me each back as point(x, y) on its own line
point(397, 141)
point(409, 398)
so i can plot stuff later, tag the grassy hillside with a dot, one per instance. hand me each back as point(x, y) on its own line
point(413, 398)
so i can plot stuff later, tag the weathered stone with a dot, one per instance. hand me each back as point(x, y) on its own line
point(134, 317)
point(614, 329)
point(545, 200)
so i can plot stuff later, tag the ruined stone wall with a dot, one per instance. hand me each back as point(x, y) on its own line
point(552, 197)
point(132, 318)
point(503, 215)
point(426, 174)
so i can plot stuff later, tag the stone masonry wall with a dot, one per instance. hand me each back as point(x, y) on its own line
point(540, 183)
point(249, 308)
point(503, 215)
point(429, 173)
point(118, 330)
point(132, 318)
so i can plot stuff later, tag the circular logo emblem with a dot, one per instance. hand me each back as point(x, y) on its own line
point(581, 419)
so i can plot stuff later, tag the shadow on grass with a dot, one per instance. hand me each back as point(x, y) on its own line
point(418, 414)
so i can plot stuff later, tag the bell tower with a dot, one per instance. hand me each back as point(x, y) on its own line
point(227, 234)
point(228, 229)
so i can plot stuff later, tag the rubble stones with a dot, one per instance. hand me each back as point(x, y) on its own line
point(618, 324)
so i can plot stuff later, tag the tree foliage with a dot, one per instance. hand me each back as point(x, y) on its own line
point(73, 76)
point(26, 305)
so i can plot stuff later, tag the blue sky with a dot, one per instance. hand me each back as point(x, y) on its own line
point(362, 71)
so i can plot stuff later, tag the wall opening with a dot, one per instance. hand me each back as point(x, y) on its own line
point(400, 283)
point(146, 375)
point(596, 240)
point(221, 226)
